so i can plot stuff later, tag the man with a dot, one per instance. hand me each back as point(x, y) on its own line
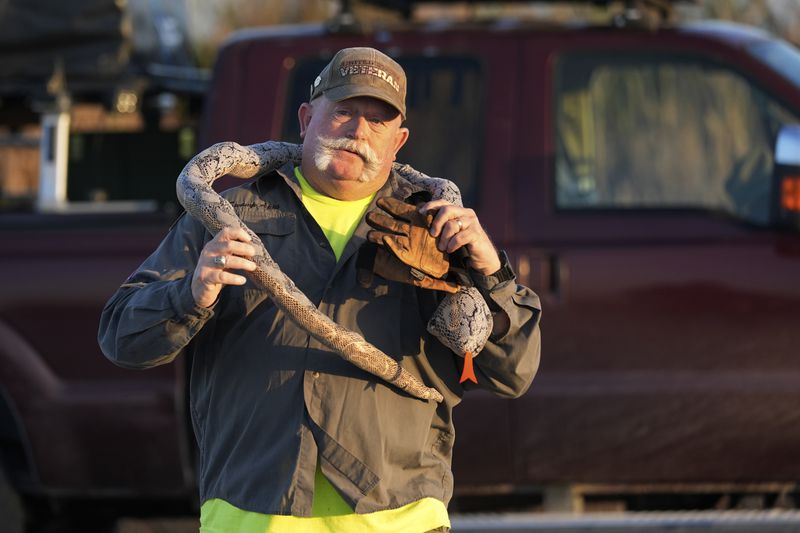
point(290, 436)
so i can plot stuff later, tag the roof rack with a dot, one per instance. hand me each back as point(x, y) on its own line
point(623, 13)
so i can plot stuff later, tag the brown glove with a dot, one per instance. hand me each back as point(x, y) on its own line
point(414, 257)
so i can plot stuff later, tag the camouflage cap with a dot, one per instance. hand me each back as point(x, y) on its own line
point(362, 72)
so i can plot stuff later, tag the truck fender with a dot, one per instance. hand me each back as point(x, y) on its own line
point(22, 371)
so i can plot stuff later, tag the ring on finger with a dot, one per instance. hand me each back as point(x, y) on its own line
point(219, 261)
point(460, 224)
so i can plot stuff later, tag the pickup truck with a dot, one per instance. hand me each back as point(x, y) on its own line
point(646, 183)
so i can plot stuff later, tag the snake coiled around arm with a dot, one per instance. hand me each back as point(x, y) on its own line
point(460, 331)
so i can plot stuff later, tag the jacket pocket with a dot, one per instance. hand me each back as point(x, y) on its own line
point(273, 228)
point(267, 221)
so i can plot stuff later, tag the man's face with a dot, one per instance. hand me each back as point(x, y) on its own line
point(349, 146)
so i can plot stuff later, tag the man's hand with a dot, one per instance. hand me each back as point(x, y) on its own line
point(229, 249)
point(456, 227)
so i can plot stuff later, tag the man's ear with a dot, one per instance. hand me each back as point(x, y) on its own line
point(400, 139)
point(304, 113)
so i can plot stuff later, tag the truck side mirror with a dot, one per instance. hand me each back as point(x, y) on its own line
point(787, 177)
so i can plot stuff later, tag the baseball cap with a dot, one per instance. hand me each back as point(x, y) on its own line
point(362, 71)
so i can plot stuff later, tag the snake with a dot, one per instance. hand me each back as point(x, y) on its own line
point(462, 321)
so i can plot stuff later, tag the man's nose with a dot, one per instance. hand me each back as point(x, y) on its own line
point(359, 128)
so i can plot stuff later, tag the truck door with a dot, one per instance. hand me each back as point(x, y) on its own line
point(670, 302)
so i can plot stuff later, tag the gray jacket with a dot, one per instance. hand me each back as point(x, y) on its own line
point(267, 399)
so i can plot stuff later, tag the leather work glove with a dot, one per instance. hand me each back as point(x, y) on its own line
point(406, 250)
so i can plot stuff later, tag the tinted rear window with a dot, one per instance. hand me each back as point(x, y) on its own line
point(659, 131)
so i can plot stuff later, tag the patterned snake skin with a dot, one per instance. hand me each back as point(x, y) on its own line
point(462, 321)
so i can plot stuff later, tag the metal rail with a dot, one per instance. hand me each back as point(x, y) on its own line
point(741, 521)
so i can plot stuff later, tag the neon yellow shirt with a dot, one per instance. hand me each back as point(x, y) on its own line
point(330, 513)
point(337, 218)
point(218, 516)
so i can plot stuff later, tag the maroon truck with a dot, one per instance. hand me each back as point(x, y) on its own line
point(646, 183)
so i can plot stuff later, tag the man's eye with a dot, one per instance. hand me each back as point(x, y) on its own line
point(377, 121)
point(342, 113)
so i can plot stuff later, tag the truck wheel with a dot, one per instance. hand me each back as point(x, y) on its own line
point(11, 508)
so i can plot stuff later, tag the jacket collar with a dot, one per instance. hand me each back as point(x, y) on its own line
point(396, 185)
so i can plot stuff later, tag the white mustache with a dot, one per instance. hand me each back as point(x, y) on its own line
point(362, 149)
point(326, 145)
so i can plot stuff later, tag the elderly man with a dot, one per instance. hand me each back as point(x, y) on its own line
point(290, 436)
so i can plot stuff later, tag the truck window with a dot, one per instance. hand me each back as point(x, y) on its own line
point(444, 113)
point(663, 132)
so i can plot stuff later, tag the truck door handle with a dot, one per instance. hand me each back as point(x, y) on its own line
point(545, 273)
point(554, 274)
point(523, 270)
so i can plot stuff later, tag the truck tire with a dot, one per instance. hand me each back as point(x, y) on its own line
point(11, 507)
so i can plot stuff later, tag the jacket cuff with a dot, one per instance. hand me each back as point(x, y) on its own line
point(488, 285)
point(186, 309)
point(504, 273)
point(503, 295)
